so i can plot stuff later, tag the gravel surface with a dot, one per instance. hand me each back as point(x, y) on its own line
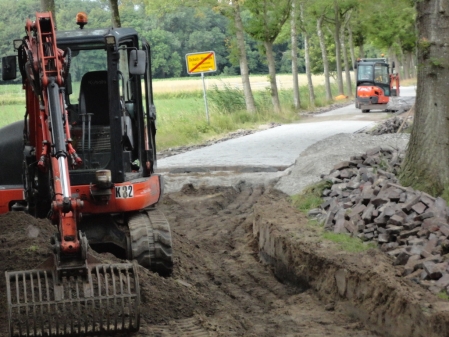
point(299, 164)
point(276, 148)
point(322, 156)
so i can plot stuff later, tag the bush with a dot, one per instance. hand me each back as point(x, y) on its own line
point(227, 100)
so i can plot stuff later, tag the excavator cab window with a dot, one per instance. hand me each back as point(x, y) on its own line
point(89, 118)
point(381, 74)
point(365, 73)
point(89, 114)
point(382, 77)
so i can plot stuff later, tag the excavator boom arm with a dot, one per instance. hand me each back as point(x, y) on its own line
point(72, 293)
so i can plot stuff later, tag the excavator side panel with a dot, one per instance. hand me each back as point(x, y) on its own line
point(373, 93)
point(125, 197)
point(8, 196)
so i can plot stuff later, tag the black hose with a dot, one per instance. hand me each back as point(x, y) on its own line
point(68, 53)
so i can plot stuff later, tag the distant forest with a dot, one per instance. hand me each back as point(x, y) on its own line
point(175, 32)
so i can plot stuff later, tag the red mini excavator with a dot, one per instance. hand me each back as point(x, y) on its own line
point(87, 164)
point(375, 84)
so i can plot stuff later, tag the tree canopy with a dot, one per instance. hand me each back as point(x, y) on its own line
point(176, 28)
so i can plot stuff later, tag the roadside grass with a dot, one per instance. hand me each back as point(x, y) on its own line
point(181, 114)
point(408, 82)
point(348, 243)
point(443, 295)
point(227, 113)
point(309, 199)
point(10, 113)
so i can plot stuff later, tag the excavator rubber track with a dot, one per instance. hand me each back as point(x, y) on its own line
point(151, 241)
point(104, 302)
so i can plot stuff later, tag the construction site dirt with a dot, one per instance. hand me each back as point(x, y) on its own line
point(219, 286)
point(226, 284)
point(247, 263)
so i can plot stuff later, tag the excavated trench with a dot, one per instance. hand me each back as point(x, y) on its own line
point(305, 286)
point(365, 285)
point(247, 263)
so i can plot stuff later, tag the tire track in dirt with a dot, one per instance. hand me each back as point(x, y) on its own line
point(215, 253)
point(189, 327)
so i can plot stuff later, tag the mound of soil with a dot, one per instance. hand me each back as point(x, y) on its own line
point(26, 244)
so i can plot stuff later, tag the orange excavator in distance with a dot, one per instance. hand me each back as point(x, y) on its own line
point(375, 84)
point(87, 164)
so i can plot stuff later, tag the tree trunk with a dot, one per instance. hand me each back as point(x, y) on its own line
point(327, 83)
point(361, 52)
point(401, 59)
point(346, 61)
point(341, 90)
point(243, 60)
point(115, 15)
point(409, 61)
point(294, 42)
point(406, 65)
point(394, 58)
point(309, 72)
point(49, 6)
point(352, 50)
point(426, 165)
point(307, 60)
point(399, 65)
point(413, 65)
point(272, 75)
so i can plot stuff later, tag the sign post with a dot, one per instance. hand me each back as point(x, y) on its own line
point(203, 62)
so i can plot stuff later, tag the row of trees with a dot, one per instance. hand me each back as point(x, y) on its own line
point(250, 36)
point(402, 29)
point(325, 32)
point(172, 35)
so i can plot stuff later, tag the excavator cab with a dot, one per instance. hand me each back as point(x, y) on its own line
point(88, 162)
point(107, 102)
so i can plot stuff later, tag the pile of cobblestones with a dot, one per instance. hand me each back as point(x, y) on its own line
point(366, 201)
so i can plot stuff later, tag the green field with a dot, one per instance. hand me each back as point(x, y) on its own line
point(10, 113)
point(181, 113)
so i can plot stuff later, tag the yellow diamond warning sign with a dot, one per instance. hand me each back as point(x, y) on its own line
point(203, 62)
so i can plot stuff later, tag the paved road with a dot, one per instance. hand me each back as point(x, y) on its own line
point(265, 155)
point(276, 147)
point(351, 110)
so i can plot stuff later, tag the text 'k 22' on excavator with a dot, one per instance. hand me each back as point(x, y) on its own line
point(83, 157)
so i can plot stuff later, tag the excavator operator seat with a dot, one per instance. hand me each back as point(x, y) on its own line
point(93, 142)
point(94, 97)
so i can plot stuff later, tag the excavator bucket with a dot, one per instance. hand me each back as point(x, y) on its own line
point(103, 301)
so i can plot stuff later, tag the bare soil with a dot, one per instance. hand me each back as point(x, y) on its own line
point(219, 286)
point(248, 264)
